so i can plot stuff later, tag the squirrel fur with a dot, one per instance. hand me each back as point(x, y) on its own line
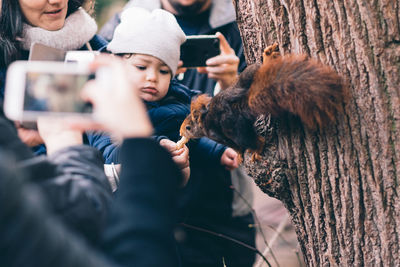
point(292, 84)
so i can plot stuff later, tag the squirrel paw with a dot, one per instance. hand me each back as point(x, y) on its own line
point(271, 52)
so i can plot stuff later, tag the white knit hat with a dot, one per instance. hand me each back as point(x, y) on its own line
point(155, 33)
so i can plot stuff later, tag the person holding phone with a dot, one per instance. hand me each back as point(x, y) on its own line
point(80, 198)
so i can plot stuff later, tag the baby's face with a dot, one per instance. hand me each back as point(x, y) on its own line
point(151, 76)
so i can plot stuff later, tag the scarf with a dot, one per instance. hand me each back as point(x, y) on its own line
point(71, 36)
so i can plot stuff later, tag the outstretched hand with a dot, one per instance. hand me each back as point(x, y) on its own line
point(179, 156)
point(224, 67)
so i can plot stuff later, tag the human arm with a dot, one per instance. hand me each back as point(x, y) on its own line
point(31, 234)
point(206, 150)
point(144, 211)
point(75, 186)
point(166, 121)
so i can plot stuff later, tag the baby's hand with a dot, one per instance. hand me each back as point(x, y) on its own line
point(179, 156)
point(229, 159)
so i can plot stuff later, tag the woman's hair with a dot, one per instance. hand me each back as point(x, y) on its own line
point(11, 26)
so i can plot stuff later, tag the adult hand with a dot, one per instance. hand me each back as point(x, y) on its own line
point(179, 156)
point(57, 135)
point(229, 159)
point(224, 67)
point(117, 107)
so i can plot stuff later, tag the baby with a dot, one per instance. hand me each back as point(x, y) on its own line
point(150, 43)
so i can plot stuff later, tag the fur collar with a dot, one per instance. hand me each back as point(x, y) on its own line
point(70, 37)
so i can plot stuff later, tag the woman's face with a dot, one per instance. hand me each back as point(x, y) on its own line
point(46, 14)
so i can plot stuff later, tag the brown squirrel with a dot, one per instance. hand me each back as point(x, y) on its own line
point(293, 84)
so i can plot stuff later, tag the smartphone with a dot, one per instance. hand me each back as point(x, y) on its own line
point(44, 88)
point(43, 52)
point(81, 57)
point(197, 49)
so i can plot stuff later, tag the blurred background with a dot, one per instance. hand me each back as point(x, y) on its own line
point(105, 9)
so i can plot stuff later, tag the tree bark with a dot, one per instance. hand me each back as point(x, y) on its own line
point(341, 184)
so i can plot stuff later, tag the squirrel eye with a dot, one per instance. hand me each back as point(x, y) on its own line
point(188, 127)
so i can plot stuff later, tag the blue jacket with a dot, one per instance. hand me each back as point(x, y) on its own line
point(166, 116)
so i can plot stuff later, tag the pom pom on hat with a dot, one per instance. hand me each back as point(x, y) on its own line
point(155, 33)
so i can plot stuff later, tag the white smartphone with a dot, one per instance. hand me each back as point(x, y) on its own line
point(81, 57)
point(43, 88)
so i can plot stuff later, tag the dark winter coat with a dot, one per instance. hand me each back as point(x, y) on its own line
point(139, 231)
point(72, 181)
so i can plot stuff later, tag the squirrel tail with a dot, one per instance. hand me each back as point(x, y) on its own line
point(300, 86)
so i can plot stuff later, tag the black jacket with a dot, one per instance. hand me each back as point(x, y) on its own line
point(72, 180)
point(139, 231)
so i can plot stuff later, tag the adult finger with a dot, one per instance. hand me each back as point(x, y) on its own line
point(221, 69)
point(230, 59)
point(84, 124)
point(202, 70)
point(223, 44)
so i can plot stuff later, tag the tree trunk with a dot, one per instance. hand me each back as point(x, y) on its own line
point(340, 185)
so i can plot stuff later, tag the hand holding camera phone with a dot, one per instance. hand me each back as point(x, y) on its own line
point(198, 49)
point(40, 88)
point(118, 108)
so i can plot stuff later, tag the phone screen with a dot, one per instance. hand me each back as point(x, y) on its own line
point(55, 92)
point(197, 49)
